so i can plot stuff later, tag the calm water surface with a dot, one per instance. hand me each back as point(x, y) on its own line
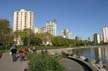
point(100, 54)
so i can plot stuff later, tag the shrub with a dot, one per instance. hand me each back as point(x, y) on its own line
point(44, 63)
point(5, 47)
point(2, 48)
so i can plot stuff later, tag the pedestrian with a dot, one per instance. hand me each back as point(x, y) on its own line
point(13, 52)
point(21, 53)
point(46, 51)
point(34, 49)
point(42, 51)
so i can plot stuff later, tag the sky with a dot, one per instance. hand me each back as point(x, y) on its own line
point(82, 17)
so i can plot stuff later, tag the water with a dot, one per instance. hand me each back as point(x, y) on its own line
point(99, 54)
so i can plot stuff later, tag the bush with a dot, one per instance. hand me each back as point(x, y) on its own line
point(5, 47)
point(40, 47)
point(44, 63)
point(2, 48)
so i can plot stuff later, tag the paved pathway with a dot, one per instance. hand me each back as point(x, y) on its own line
point(6, 63)
point(71, 65)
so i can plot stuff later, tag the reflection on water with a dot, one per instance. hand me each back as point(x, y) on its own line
point(99, 54)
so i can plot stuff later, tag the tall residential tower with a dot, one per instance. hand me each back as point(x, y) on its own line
point(96, 38)
point(23, 19)
point(105, 34)
point(66, 34)
point(51, 27)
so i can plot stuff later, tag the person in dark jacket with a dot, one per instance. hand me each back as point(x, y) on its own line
point(13, 52)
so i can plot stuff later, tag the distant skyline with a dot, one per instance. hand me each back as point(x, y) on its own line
point(82, 17)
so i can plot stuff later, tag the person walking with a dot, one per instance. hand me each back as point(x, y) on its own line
point(22, 53)
point(13, 52)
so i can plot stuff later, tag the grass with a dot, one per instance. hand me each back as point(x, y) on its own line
point(42, 62)
point(42, 47)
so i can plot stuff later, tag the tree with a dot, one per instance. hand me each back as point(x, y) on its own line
point(6, 34)
point(35, 40)
point(28, 37)
point(45, 37)
point(23, 36)
point(59, 41)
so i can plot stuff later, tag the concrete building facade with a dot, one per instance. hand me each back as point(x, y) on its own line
point(23, 19)
point(66, 34)
point(105, 34)
point(51, 27)
point(36, 30)
point(96, 38)
point(42, 30)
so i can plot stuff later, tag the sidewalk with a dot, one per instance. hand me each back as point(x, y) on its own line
point(6, 63)
point(71, 65)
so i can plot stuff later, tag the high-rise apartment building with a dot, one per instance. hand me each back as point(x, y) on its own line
point(96, 38)
point(23, 19)
point(66, 34)
point(105, 34)
point(51, 27)
point(78, 38)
